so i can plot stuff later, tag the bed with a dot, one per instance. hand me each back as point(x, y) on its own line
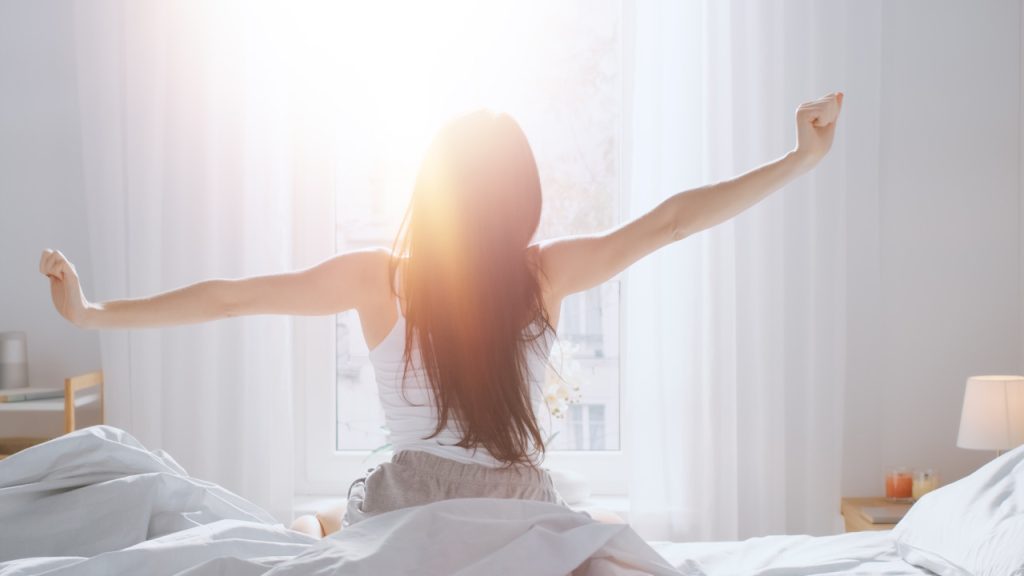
point(97, 502)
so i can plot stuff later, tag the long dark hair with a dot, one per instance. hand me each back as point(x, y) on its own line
point(474, 303)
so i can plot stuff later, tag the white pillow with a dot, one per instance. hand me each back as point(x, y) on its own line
point(974, 526)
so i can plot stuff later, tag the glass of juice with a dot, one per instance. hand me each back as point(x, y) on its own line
point(899, 484)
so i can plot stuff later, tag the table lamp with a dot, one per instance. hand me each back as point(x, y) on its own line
point(993, 413)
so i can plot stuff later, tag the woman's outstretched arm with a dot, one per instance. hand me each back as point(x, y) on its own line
point(340, 283)
point(580, 262)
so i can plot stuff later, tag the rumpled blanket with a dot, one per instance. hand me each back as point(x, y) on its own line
point(97, 502)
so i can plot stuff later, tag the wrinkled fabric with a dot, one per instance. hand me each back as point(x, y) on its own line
point(987, 538)
point(95, 502)
point(481, 537)
point(98, 490)
point(414, 478)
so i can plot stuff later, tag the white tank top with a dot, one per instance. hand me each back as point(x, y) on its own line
point(411, 414)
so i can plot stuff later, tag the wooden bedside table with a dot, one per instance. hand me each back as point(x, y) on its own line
point(65, 406)
point(855, 522)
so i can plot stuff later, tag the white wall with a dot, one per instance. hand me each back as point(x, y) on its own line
point(934, 289)
point(41, 200)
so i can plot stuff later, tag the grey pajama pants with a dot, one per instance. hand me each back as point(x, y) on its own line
point(413, 478)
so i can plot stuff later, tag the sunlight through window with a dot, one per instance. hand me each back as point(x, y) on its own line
point(559, 76)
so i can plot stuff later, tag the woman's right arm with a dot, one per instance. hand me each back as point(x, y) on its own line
point(341, 283)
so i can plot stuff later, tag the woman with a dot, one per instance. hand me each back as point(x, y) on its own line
point(459, 315)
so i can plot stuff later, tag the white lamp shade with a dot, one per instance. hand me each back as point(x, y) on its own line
point(993, 413)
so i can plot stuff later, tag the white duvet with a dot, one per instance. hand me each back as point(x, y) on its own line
point(97, 502)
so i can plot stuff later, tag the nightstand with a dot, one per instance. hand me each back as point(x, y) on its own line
point(855, 522)
point(40, 415)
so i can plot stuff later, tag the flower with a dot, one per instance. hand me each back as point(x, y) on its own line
point(562, 380)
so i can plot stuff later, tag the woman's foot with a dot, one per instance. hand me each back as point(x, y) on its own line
point(605, 516)
point(330, 519)
point(308, 524)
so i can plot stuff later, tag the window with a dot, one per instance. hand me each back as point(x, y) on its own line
point(566, 94)
point(586, 426)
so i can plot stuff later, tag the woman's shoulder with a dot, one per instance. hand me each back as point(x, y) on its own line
point(378, 266)
point(367, 271)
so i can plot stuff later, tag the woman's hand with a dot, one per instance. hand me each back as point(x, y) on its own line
point(816, 127)
point(65, 289)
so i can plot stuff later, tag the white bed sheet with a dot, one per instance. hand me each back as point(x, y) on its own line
point(853, 553)
point(97, 502)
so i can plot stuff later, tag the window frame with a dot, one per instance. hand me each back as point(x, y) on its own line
point(323, 470)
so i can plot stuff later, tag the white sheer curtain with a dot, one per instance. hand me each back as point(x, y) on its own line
point(736, 337)
point(187, 166)
point(197, 126)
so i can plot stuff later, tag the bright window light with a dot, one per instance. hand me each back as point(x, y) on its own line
point(373, 81)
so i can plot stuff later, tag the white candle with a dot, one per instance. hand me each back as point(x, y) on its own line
point(924, 482)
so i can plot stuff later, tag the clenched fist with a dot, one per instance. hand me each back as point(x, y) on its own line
point(816, 127)
point(65, 289)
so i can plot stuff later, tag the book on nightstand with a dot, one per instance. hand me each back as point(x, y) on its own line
point(22, 394)
point(884, 514)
